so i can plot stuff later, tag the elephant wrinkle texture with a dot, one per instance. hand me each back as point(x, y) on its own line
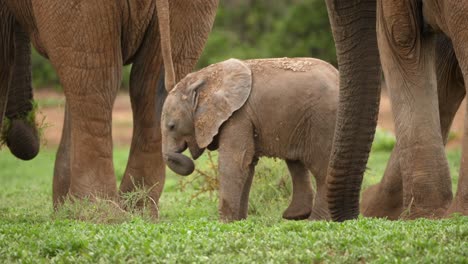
point(279, 107)
point(88, 42)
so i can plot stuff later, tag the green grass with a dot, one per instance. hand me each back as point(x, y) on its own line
point(188, 230)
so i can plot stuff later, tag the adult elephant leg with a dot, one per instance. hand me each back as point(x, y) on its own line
point(385, 199)
point(89, 107)
point(408, 61)
point(86, 52)
point(303, 195)
point(455, 12)
point(61, 182)
point(145, 167)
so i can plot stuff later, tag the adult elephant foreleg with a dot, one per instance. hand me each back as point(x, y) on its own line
point(385, 199)
point(408, 61)
point(89, 65)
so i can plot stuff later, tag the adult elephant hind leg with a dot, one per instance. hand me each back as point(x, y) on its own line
point(409, 66)
point(61, 181)
point(303, 195)
point(456, 21)
point(145, 168)
point(385, 199)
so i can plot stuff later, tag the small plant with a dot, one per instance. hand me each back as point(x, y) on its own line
point(452, 136)
point(271, 188)
point(139, 202)
point(94, 210)
point(31, 118)
point(205, 180)
point(106, 211)
point(383, 141)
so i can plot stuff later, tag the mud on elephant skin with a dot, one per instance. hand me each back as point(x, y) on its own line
point(162, 40)
point(282, 108)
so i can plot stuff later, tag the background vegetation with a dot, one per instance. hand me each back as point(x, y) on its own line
point(248, 29)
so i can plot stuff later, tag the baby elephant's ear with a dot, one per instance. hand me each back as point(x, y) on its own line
point(226, 91)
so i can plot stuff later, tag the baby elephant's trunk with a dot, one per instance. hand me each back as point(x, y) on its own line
point(179, 163)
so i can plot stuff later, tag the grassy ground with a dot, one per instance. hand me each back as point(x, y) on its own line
point(188, 230)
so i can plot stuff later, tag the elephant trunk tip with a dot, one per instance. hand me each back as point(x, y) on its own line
point(343, 197)
point(179, 163)
point(22, 139)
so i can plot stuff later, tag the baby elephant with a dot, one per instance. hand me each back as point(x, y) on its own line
point(282, 108)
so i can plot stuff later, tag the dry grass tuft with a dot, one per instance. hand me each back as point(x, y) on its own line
point(204, 180)
point(137, 203)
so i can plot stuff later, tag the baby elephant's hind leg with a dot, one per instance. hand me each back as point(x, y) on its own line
point(301, 204)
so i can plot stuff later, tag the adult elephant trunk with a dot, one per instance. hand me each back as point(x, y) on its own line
point(354, 30)
point(22, 137)
point(15, 88)
point(164, 22)
point(6, 57)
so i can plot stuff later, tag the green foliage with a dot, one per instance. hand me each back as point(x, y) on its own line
point(30, 118)
point(189, 232)
point(383, 141)
point(43, 72)
point(262, 29)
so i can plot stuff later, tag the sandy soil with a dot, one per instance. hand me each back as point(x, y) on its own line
point(53, 110)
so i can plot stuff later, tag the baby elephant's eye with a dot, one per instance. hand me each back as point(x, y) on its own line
point(171, 126)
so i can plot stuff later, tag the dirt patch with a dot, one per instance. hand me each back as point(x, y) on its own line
point(122, 126)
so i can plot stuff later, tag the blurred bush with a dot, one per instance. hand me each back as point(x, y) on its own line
point(249, 29)
point(266, 29)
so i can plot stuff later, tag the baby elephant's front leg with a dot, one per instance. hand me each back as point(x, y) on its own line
point(236, 169)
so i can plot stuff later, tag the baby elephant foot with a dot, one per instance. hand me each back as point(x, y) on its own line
point(297, 212)
point(377, 203)
point(229, 213)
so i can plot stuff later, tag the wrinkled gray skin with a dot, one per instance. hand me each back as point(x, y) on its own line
point(282, 108)
point(401, 38)
point(88, 42)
